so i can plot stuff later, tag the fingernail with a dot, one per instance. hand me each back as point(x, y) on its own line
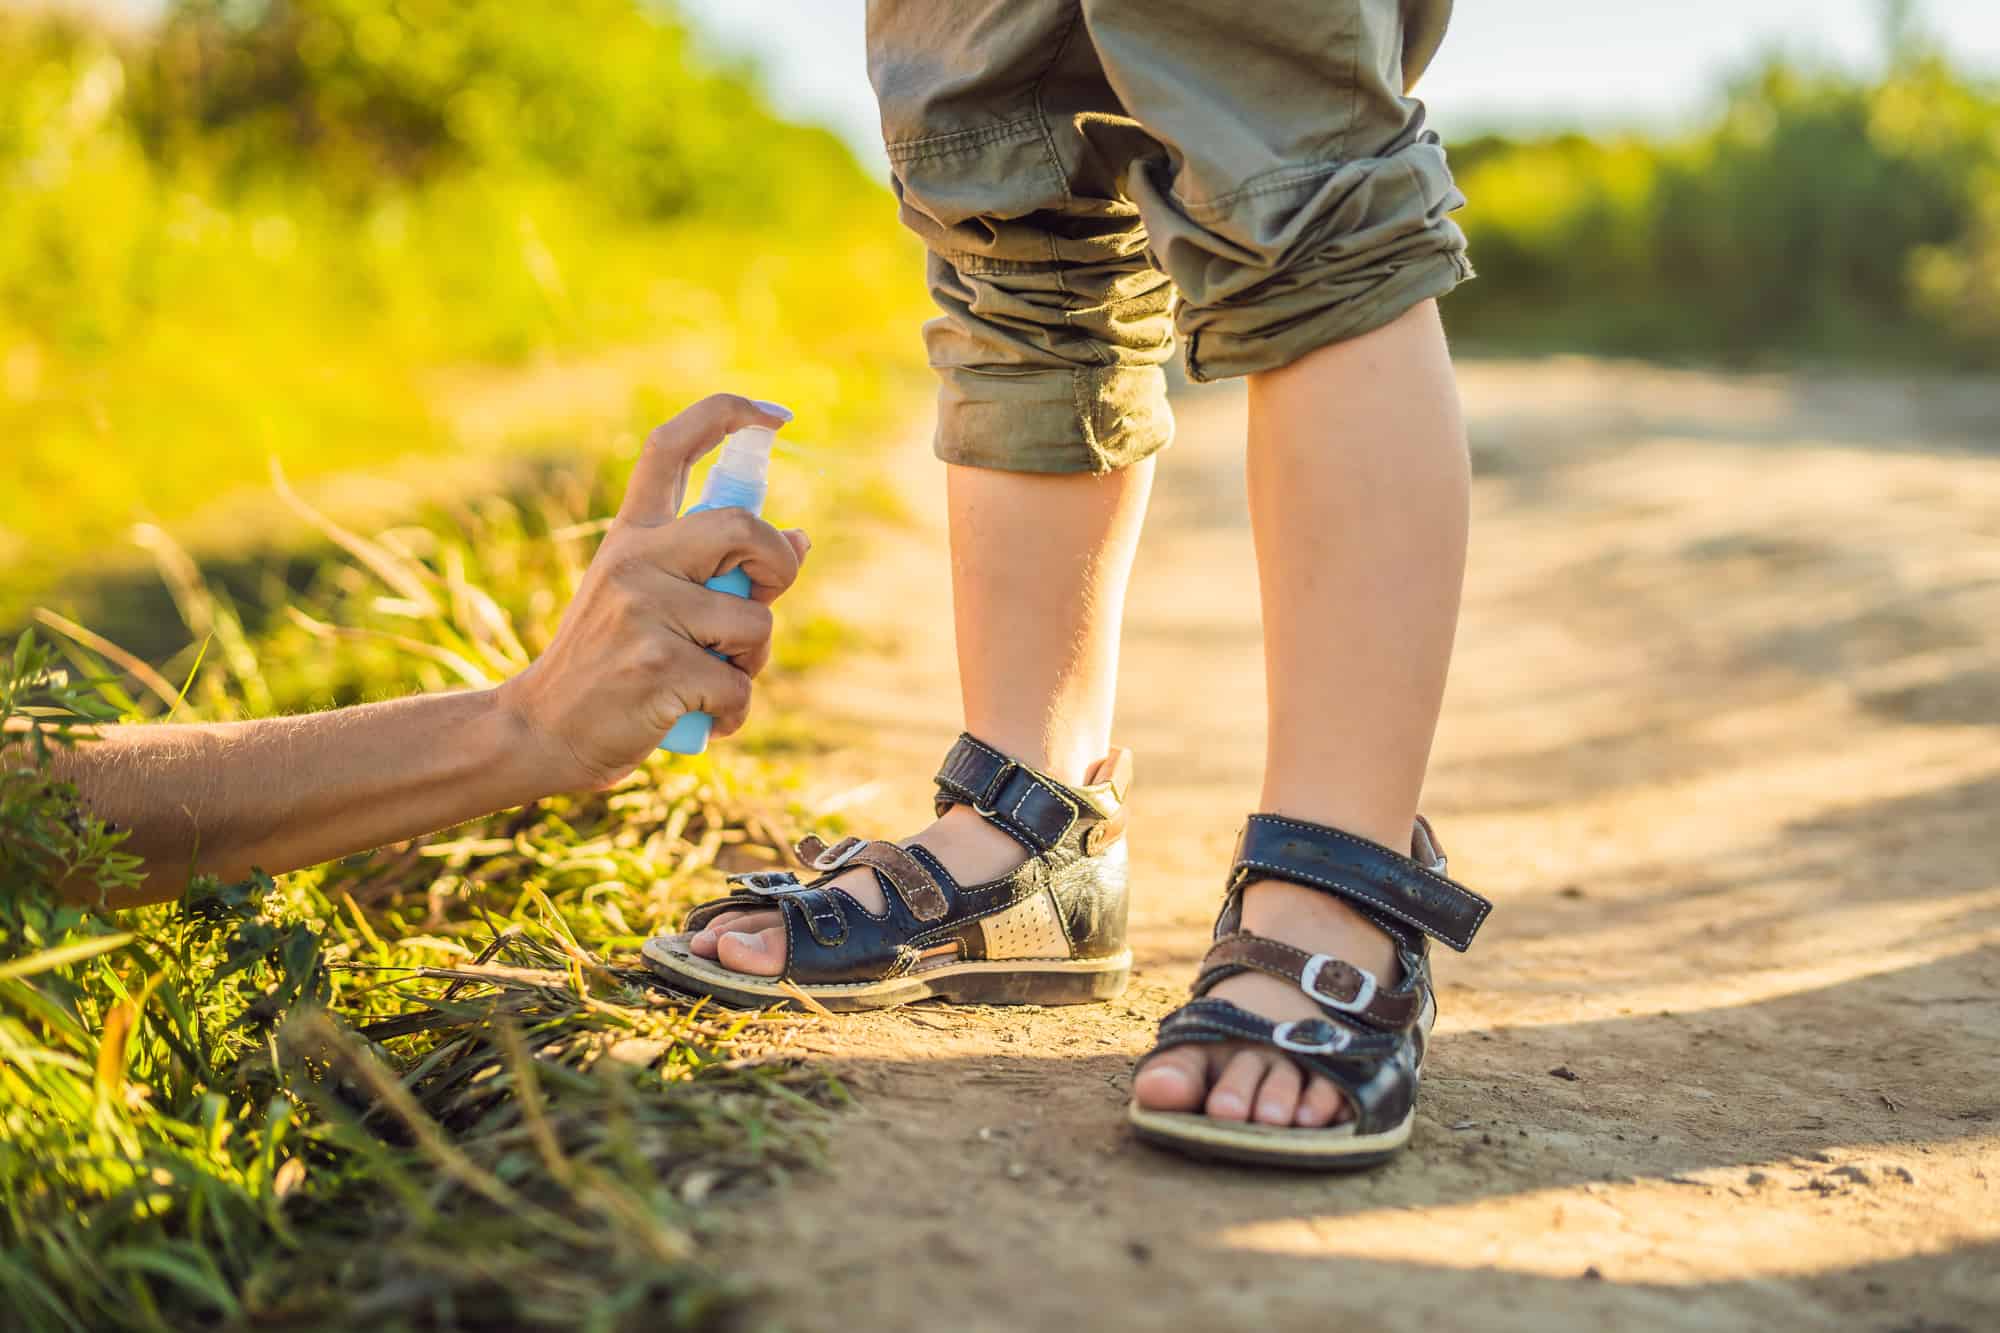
point(771, 409)
point(804, 539)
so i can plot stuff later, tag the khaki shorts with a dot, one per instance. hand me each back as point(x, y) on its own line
point(1090, 175)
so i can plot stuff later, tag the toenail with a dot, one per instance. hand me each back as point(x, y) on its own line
point(1226, 1101)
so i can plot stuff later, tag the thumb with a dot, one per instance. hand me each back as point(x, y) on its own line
point(659, 482)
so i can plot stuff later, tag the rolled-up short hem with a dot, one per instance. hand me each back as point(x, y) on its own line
point(1053, 419)
point(1213, 354)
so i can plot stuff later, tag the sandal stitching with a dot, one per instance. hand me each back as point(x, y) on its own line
point(1285, 872)
point(1481, 906)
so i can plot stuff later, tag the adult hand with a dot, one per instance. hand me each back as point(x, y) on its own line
point(631, 654)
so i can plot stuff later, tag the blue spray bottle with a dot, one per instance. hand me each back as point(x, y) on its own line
point(737, 481)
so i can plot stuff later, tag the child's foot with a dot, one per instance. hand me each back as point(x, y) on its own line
point(973, 850)
point(1304, 1042)
point(1016, 895)
point(1243, 1081)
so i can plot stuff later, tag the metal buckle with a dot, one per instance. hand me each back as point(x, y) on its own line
point(833, 858)
point(1281, 1037)
point(1309, 983)
point(767, 882)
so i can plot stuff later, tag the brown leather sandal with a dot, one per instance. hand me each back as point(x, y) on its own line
point(1369, 1041)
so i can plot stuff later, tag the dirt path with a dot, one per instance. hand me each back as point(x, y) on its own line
point(1721, 742)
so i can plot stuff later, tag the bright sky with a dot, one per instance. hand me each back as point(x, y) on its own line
point(1514, 62)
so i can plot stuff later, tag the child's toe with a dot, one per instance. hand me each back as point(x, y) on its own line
point(1173, 1080)
point(1319, 1105)
point(760, 953)
point(1236, 1091)
point(706, 942)
point(1278, 1096)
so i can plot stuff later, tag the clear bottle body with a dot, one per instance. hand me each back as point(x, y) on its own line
point(735, 482)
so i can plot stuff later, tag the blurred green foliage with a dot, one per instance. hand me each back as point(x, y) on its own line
point(422, 1089)
point(353, 97)
point(300, 229)
point(427, 1088)
point(1822, 215)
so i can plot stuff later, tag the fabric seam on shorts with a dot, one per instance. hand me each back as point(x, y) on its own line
point(942, 145)
point(1264, 184)
point(1080, 398)
point(966, 261)
point(1354, 75)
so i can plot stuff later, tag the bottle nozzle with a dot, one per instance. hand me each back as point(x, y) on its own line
point(747, 453)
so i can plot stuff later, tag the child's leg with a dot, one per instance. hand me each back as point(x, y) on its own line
point(1039, 565)
point(1358, 482)
point(1303, 216)
point(1055, 326)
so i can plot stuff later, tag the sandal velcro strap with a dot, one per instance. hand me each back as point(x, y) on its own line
point(1337, 987)
point(1032, 807)
point(1364, 872)
point(756, 891)
point(911, 879)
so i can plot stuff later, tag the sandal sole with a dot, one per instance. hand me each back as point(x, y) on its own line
point(1051, 981)
point(1337, 1149)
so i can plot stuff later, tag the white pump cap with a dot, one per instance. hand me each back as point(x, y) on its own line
point(746, 455)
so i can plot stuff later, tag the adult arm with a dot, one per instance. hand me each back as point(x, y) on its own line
point(628, 659)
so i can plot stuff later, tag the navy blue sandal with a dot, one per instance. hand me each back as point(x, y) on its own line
point(1050, 931)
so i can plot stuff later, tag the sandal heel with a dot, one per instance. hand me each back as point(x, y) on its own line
point(1036, 987)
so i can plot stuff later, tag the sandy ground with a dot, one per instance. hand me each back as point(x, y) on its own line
point(1721, 742)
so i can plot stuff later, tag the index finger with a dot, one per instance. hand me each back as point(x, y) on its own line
point(659, 481)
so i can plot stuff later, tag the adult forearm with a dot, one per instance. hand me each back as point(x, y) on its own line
point(633, 653)
point(282, 793)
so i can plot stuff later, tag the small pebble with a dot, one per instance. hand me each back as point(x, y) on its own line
point(1901, 1173)
point(1566, 1073)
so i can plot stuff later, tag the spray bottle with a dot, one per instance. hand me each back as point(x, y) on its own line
point(737, 481)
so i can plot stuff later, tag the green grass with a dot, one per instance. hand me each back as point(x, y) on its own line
point(425, 1088)
point(445, 265)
